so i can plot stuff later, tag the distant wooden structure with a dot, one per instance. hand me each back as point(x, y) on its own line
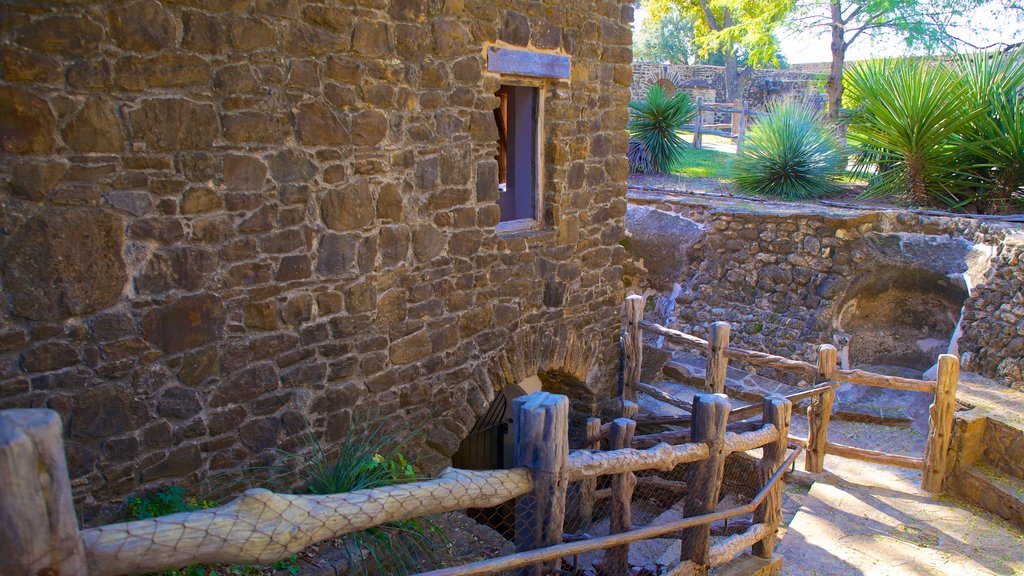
point(740, 113)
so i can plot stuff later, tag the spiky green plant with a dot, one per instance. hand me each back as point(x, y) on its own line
point(907, 126)
point(994, 141)
point(654, 125)
point(790, 153)
point(369, 457)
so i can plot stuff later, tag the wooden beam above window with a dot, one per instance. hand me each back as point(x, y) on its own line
point(527, 63)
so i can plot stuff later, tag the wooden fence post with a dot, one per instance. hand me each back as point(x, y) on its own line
point(698, 123)
point(39, 530)
point(718, 341)
point(580, 500)
point(742, 134)
point(777, 411)
point(633, 346)
point(940, 424)
point(616, 560)
point(710, 416)
point(736, 117)
point(542, 445)
point(630, 410)
point(820, 411)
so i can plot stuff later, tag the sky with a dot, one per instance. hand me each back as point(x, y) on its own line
point(807, 47)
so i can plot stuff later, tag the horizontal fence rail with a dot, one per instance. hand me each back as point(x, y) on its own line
point(933, 464)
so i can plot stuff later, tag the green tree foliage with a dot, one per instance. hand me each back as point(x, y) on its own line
point(730, 27)
point(790, 153)
point(654, 124)
point(665, 41)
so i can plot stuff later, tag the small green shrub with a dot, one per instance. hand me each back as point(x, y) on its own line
point(790, 153)
point(368, 457)
point(654, 124)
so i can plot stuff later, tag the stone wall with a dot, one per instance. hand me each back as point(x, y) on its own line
point(223, 217)
point(760, 85)
point(784, 275)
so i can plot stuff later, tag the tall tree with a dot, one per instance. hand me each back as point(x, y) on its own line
point(729, 27)
point(666, 41)
point(925, 24)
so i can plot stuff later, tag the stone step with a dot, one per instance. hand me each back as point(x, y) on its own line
point(689, 369)
point(993, 490)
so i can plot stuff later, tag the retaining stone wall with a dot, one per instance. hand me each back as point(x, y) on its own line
point(222, 217)
point(760, 86)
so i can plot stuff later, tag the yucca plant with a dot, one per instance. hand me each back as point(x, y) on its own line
point(994, 141)
point(791, 153)
point(907, 126)
point(368, 457)
point(654, 125)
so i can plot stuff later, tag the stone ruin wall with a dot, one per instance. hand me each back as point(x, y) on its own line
point(779, 277)
point(760, 85)
point(222, 217)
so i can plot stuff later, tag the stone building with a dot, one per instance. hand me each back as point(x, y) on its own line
point(223, 217)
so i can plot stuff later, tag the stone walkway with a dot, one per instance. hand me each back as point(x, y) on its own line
point(868, 519)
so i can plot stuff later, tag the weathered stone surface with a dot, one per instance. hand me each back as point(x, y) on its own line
point(65, 262)
point(246, 386)
point(369, 127)
point(174, 124)
point(72, 35)
point(178, 463)
point(179, 402)
point(104, 410)
point(336, 254)
point(143, 26)
point(661, 239)
point(181, 267)
point(244, 173)
point(27, 123)
point(200, 200)
point(186, 323)
point(35, 180)
point(318, 126)
point(348, 207)
point(260, 434)
point(291, 166)
point(95, 128)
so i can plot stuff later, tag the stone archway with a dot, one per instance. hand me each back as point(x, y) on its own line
point(900, 316)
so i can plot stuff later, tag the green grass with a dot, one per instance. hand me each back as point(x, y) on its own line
point(704, 163)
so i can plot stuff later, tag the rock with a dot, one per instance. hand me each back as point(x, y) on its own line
point(336, 254)
point(245, 386)
point(95, 128)
point(49, 356)
point(318, 126)
point(188, 322)
point(65, 34)
point(179, 402)
point(35, 180)
point(200, 200)
point(370, 38)
point(143, 26)
point(133, 202)
point(181, 267)
point(178, 463)
point(27, 124)
point(244, 173)
point(661, 240)
point(105, 410)
point(369, 127)
point(260, 434)
point(291, 166)
point(170, 124)
point(65, 262)
point(349, 207)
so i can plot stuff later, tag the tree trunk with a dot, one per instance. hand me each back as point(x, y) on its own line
point(834, 86)
point(732, 76)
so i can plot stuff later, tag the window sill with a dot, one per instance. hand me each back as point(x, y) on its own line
point(516, 227)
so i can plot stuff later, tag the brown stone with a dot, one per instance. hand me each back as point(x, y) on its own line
point(202, 33)
point(414, 10)
point(24, 66)
point(394, 243)
point(316, 125)
point(369, 127)
point(35, 180)
point(179, 402)
point(248, 34)
point(291, 166)
point(261, 315)
point(450, 37)
point(336, 254)
point(198, 366)
point(301, 39)
point(49, 356)
point(335, 19)
point(168, 124)
point(235, 79)
point(259, 127)
point(200, 200)
point(427, 242)
point(410, 348)
point(27, 124)
point(142, 26)
point(294, 267)
point(133, 202)
point(260, 434)
point(244, 173)
point(183, 267)
point(370, 38)
point(105, 410)
point(179, 462)
point(245, 386)
point(138, 73)
point(90, 75)
point(65, 34)
point(348, 207)
point(95, 128)
point(188, 322)
point(389, 203)
point(65, 262)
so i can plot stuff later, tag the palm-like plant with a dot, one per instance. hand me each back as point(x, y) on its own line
point(654, 125)
point(995, 140)
point(790, 153)
point(908, 123)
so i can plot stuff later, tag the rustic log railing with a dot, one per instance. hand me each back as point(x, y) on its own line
point(940, 423)
point(739, 113)
point(262, 527)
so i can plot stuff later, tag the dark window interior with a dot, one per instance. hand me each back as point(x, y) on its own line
point(516, 117)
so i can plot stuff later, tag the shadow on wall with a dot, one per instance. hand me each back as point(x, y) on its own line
point(900, 316)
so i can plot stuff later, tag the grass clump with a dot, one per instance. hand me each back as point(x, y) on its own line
point(790, 154)
point(655, 144)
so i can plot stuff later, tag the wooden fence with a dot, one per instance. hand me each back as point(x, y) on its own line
point(736, 129)
point(940, 422)
point(40, 534)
